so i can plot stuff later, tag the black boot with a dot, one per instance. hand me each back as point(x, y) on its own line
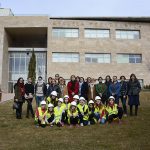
point(130, 110)
point(136, 110)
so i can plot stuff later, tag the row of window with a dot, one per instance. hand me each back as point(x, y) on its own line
point(95, 33)
point(19, 61)
point(96, 58)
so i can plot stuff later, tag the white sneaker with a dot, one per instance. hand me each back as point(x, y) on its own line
point(125, 115)
point(89, 123)
point(81, 124)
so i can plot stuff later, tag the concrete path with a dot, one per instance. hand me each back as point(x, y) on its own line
point(6, 97)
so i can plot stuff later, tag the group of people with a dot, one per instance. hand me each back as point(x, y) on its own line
point(80, 102)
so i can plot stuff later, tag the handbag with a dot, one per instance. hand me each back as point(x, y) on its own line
point(15, 105)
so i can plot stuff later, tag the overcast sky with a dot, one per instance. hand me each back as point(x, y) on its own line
point(79, 7)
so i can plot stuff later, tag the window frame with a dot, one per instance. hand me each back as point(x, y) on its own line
point(130, 57)
point(65, 58)
point(62, 32)
point(127, 34)
point(105, 61)
point(96, 33)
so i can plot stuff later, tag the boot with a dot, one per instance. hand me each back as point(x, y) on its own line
point(131, 110)
point(136, 110)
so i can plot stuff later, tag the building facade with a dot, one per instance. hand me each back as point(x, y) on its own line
point(84, 46)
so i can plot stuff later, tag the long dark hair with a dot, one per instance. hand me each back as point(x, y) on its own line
point(110, 80)
point(73, 83)
point(134, 77)
point(49, 79)
point(18, 82)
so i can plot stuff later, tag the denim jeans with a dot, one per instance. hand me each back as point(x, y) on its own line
point(38, 100)
point(102, 121)
point(123, 100)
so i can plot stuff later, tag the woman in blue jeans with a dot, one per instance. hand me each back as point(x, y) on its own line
point(40, 91)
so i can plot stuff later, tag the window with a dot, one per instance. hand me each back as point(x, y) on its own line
point(96, 33)
point(129, 58)
point(65, 57)
point(127, 34)
point(97, 58)
point(19, 61)
point(62, 32)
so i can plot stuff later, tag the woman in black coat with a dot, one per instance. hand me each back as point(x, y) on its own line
point(134, 89)
point(123, 94)
point(108, 81)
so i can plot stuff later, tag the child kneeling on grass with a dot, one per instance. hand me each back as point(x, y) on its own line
point(50, 115)
point(114, 112)
point(83, 111)
point(92, 113)
point(73, 116)
point(59, 113)
point(52, 98)
point(40, 115)
point(100, 109)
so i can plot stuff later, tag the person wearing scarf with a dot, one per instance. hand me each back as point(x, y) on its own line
point(19, 98)
point(40, 91)
point(73, 88)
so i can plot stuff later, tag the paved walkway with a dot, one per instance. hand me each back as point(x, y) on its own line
point(6, 97)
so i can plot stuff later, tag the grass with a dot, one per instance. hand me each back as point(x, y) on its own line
point(133, 133)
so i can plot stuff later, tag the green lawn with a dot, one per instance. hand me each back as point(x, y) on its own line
point(133, 133)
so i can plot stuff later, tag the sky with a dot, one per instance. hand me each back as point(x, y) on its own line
point(58, 8)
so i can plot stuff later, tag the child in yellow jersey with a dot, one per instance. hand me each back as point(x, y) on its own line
point(92, 113)
point(50, 115)
point(66, 106)
point(58, 112)
point(73, 116)
point(114, 112)
point(53, 98)
point(101, 110)
point(83, 111)
point(40, 115)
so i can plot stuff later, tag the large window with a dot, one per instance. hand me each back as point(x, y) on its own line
point(96, 33)
point(129, 58)
point(127, 34)
point(65, 57)
point(65, 33)
point(19, 61)
point(97, 58)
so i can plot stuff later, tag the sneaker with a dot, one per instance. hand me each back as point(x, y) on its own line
point(125, 115)
point(89, 123)
point(81, 124)
point(36, 126)
point(51, 125)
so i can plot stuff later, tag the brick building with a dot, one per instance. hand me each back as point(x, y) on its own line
point(84, 46)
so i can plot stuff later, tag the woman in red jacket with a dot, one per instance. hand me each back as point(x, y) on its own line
point(73, 87)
